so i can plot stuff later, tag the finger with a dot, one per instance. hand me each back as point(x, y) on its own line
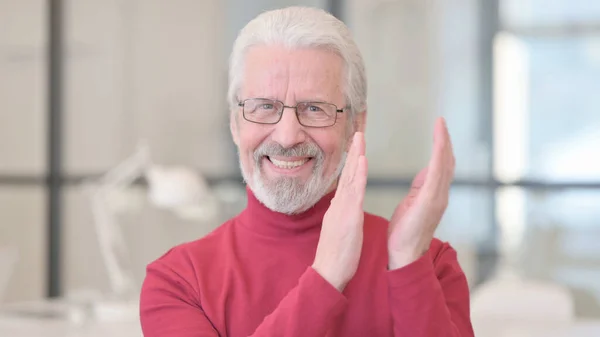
point(357, 183)
point(351, 157)
point(349, 170)
point(415, 189)
point(417, 183)
point(358, 140)
point(419, 179)
point(450, 158)
point(436, 165)
point(442, 194)
point(360, 180)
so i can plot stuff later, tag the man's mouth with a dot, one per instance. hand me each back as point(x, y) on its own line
point(288, 163)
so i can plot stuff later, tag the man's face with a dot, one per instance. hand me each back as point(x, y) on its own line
point(289, 167)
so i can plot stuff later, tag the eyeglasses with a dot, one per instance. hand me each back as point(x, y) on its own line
point(309, 114)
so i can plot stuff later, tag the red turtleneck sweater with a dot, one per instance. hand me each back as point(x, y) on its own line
point(252, 277)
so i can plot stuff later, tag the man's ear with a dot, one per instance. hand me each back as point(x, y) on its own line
point(360, 121)
point(233, 127)
point(359, 124)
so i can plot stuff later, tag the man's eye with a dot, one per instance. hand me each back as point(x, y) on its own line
point(266, 106)
point(314, 108)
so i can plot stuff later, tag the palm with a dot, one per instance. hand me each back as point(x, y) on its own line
point(341, 239)
point(415, 219)
point(404, 209)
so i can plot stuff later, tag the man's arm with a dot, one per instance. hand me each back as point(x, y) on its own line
point(430, 299)
point(429, 295)
point(169, 307)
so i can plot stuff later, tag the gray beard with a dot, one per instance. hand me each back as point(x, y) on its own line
point(289, 195)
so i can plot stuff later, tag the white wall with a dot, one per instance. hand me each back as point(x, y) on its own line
point(22, 141)
point(151, 70)
point(145, 70)
point(422, 60)
point(396, 40)
point(156, 70)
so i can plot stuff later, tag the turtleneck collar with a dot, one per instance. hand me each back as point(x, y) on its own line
point(260, 219)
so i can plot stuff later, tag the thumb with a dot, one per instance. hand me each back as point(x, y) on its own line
point(419, 181)
point(415, 187)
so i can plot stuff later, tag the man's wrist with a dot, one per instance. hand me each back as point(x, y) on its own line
point(402, 258)
point(335, 282)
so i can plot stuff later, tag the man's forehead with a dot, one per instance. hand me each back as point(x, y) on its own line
point(310, 72)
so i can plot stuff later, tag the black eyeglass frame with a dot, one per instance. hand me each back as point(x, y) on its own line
point(295, 108)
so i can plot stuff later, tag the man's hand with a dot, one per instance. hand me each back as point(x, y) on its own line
point(416, 218)
point(340, 243)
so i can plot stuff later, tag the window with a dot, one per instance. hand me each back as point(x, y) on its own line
point(546, 141)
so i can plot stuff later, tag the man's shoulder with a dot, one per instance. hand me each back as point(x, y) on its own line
point(197, 253)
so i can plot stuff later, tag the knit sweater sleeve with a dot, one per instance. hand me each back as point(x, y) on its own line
point(170, 307)
point(430, 297)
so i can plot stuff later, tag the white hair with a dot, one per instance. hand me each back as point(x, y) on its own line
point(301, 27)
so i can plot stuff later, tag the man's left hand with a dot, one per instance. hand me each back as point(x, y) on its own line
point(416, 218)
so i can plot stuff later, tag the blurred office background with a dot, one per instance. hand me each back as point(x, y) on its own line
point(517, 80)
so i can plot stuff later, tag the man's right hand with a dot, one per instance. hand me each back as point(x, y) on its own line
point(340, 243)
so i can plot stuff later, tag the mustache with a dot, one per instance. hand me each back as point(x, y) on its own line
point(299, 150)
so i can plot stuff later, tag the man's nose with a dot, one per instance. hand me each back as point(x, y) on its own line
point(288, 131)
